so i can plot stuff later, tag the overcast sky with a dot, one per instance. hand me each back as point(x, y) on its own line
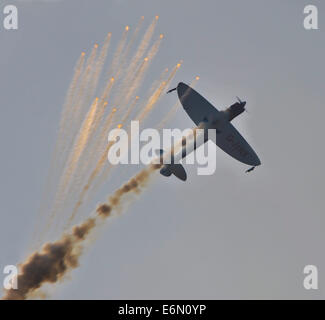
point(229, 235)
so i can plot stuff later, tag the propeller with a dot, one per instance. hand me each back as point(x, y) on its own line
point(240, 101)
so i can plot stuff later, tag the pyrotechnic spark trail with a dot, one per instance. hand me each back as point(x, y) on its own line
point(85, 78)
point(136, 83)
point(89, 81)
point(157, 82)
point(134, 73)
point(68, 104)
point(142, 48)
point(57, 157)
point(101, 141)
point(108, 168)
point(129, 111)
point(152, 101)
point(80, 144)
point(55, 259)
point(66, 116)
point(117, 66)
point(139, 75)
point(72, 163)
point(144, 44)
point(148, 107)
point(123, 71)
point(113, 70)
point(133, 38)
point(156, 95)
point(100, 63)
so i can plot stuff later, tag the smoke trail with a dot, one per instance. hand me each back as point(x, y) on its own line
point(56, 259)
point(51, 263)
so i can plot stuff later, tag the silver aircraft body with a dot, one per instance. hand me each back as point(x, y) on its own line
point(206, 116)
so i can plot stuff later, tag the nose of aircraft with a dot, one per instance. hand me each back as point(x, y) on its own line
point(244, 103)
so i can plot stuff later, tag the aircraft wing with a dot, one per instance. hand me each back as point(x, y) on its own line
point(232, 142)
point(194, 104)
point(228, 139)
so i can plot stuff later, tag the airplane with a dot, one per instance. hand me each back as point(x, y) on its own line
point(206, 116)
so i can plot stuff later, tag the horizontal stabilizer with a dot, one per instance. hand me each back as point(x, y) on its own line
point(176, 169)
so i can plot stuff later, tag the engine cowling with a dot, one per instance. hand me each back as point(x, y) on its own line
point(235, 110)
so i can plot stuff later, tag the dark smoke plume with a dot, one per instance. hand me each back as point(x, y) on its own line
point(54, 260)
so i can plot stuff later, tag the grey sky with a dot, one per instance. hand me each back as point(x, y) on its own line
point(229, 235)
